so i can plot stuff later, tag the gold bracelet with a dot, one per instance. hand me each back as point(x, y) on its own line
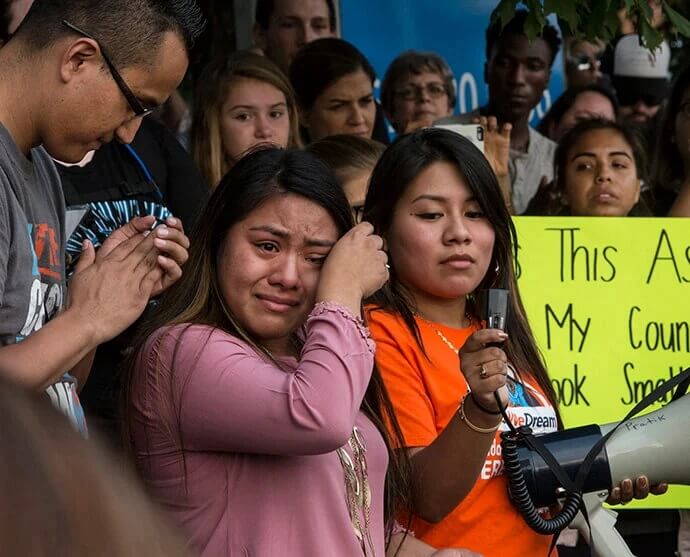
point(464, 418)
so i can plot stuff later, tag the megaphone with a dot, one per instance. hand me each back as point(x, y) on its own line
point(656, 445)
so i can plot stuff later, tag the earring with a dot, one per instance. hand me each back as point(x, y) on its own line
point(496, 269)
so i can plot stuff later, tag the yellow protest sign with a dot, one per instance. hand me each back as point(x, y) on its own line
point(609, 302)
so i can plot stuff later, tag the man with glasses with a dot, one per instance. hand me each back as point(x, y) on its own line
point(77, 75)
point(417, 89)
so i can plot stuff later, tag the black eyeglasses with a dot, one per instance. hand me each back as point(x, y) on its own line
point(629, 97)
point(136, 105)
point(413, 91)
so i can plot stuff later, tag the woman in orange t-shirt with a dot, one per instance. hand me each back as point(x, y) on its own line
point(434, 199)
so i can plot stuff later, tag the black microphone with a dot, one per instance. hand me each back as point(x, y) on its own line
point(495, 313)
point(496, 310)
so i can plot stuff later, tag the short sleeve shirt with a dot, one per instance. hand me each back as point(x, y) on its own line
point(426, 391)
point(32, 260)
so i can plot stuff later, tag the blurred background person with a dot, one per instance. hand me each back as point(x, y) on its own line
point(576, 104)
point(13, 12)
point(583, 62)
point(352, 159)
point(599, 168)
point(640, 78)
point(242, 100)
point(627, 21)
point(282, 27)
point(334, 84)
point(417, 89)
point(670, 174)
point(517, 72)
point(67, 497)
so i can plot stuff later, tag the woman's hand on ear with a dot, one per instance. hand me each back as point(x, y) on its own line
point(355, 268)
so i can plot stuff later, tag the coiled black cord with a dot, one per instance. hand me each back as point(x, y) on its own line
point(518, 487)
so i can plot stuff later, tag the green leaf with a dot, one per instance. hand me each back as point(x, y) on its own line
point(504, 12)
point(552, 6)
point(535, 7)
point(681, 24)
point(646, 10)
point(532, 26)
point(566, 30)
point(650, 36)
point(610, 25)
point(597, 17)
point(567, 11)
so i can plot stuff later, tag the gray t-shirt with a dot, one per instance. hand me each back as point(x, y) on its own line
point(32, 254)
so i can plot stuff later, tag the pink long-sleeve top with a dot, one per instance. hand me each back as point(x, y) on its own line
point(242, 453)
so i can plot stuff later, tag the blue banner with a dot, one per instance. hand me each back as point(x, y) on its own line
point(455, 29)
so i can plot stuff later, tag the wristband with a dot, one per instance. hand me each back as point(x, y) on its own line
point(464, 418)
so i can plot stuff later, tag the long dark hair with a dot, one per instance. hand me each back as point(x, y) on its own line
point(402, 162)
point(566, 101)
point(321, 63)
point(667, 163)
point(197, 299)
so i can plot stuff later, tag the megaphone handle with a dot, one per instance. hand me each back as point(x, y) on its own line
point(607, 540)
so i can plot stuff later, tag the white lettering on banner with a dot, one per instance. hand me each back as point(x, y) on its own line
point(467, 82)
point(544, 104)
point(542, 108)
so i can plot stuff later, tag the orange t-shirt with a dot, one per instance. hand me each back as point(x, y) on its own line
point(426, 394)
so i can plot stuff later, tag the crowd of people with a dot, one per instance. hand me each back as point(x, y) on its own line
point(274, 314)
